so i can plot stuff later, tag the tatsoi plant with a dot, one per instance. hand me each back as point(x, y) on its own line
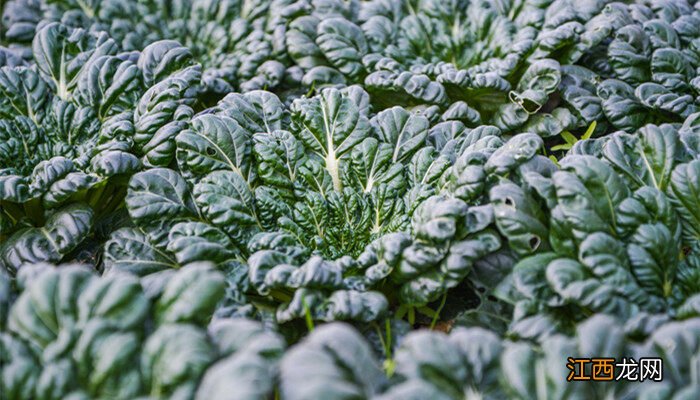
point(321, 172)
point(317, 218)
point(320, 177)
point(646, 73)
point(615, 236)
point(72, 334)
point(73, 128)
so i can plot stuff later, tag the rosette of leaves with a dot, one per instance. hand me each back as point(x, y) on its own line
point(611, 239)
point(321, 177)
point(71, 334)
point(450, 233)
point(476, 62)
point(73, 129)
point(240, 44)
point(323, 172)
point(635, 62)
point(662, 157)
point(646, 73)
point(326, 43)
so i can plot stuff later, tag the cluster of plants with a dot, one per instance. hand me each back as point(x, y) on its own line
point(344, 199)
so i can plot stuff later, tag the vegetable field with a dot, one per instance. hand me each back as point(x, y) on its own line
point(349, 199)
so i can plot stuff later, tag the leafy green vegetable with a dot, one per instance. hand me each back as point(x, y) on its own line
point(70, 132)
point(71, 333)
point(216, 179)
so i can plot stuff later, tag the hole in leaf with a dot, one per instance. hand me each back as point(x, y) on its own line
point(211, 151)
point(509, 202)
point(534, 242)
